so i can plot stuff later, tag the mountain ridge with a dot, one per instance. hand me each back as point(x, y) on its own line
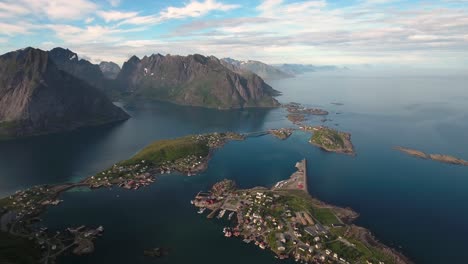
point(36, 97)
point(194, 80)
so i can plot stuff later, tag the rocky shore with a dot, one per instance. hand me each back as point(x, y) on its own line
point(436, 157)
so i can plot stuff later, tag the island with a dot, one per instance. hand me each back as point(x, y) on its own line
point(296, 118)
point(330, 140)
point(297, 108)
point(282, 133)
point(288, 221)
point(436, 157)
point(298, 113)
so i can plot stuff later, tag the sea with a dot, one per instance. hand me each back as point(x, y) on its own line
point(416, 206)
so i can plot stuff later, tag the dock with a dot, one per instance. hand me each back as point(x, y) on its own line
point(213, 213)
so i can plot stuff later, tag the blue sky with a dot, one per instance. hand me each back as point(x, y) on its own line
point(341, 32)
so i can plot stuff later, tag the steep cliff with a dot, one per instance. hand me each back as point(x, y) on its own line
point(38, 98)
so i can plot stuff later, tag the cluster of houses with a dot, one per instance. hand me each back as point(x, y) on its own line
point(216, 140)
point(127, 176)
point(28, 202)
point(188, 164)
point(295, 233)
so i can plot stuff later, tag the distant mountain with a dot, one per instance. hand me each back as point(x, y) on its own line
point(36, 97)
point(194, 80)
point(68, 61)
point(295, 69)
point(263, 70)
point(109, 69)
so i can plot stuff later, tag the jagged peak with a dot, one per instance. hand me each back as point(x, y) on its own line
point(133, 59)
point(60, 53)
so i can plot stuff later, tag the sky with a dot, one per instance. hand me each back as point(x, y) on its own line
point(432, 34)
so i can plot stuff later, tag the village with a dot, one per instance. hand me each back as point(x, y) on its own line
point(281, 220)
point(141, 173)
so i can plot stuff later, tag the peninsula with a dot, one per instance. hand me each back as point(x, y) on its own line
point(19, 212)
point(288, 221)
point(436, 157)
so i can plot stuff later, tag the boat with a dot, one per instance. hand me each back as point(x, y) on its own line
point(202, 210)
point(230, 215)
point(192, 202)
point(221, 214)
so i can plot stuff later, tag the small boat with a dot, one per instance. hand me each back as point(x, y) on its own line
point(230, 215)
point(202, 210)
point(191, 202)
point(221, 214)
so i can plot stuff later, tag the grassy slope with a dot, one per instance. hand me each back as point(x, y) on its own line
point(324, 136)
point(169, 150)
point(298, 201)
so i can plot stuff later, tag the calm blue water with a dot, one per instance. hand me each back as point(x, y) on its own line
point(414, 204)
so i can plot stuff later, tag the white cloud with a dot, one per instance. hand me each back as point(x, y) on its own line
point(114, 3)
point(16, 28)
point(190, 10)
point(89, 20)
point(195, 9)
point(110, 16)
point(52, 9)
point(8, 9)
point(61, 9)
point(308, 31)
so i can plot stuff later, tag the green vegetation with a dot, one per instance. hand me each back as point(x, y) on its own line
point(17, 250)
point(325, 216)
point(170, 150)
point(345, 251)
point(328, 138)
point(331, 140)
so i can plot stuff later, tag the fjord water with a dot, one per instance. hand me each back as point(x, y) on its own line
point(415, 205)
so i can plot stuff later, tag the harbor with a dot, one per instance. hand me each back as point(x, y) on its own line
point(290, 223)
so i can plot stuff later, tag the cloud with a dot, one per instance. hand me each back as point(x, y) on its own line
point(110, 16)
point(12, 29)
point(195, 9)
point(54, 10)
point(189, 10)
point(114, 3)
point(8, 9)
point(89, 20)
point(309, 31)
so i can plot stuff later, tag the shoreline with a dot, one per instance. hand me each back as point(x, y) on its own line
point(224, 196)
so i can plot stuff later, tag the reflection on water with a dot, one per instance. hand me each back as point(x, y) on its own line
point(71, 156)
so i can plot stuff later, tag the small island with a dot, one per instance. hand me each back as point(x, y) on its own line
point(298, 113)
point(282, 133)
point(436, 157)
point(288, 221)
point(331, 140)
point(296, 118)
point(296, 108)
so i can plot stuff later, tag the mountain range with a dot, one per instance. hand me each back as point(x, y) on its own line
point(263, 70)
point(194, 80)
point(37, 97)
point(50, 91)
point(295, 69)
